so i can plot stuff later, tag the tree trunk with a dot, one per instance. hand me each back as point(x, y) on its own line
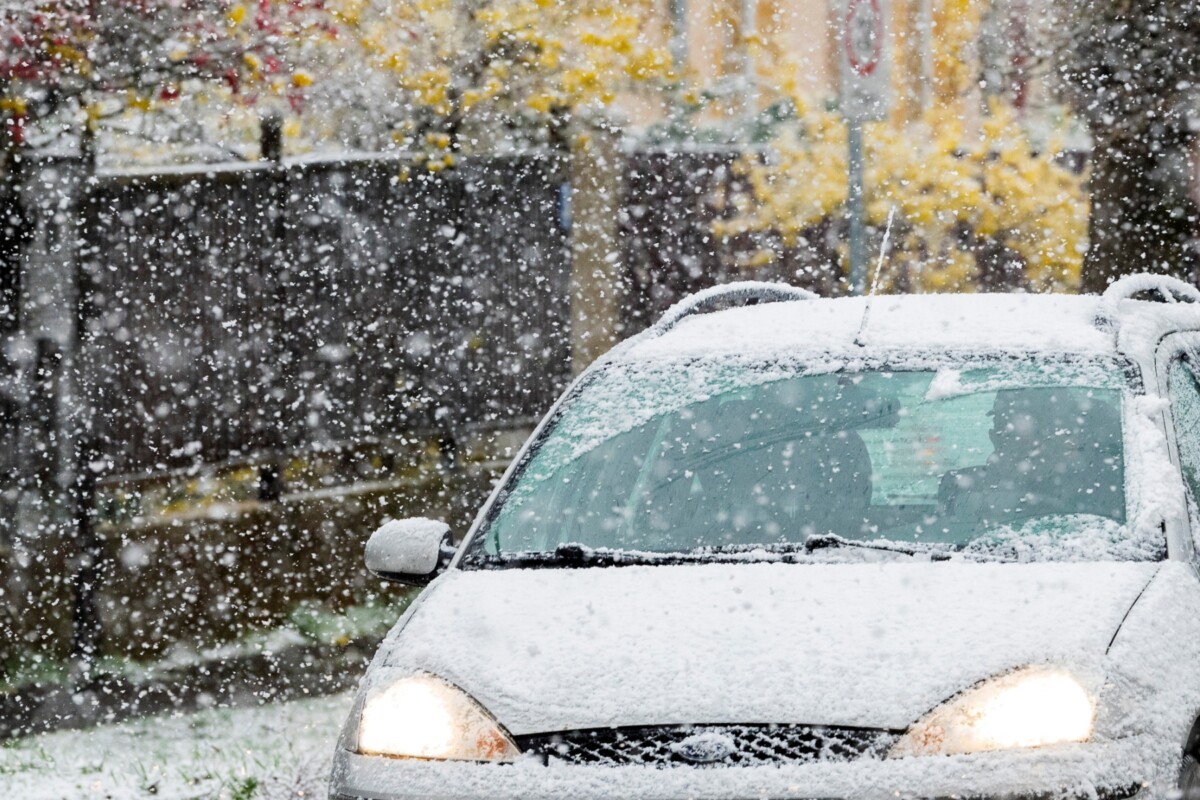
point(1142, 218)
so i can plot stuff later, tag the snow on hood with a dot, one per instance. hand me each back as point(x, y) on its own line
point(872, 645)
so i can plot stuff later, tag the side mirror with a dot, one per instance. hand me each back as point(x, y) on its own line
point(411, 551)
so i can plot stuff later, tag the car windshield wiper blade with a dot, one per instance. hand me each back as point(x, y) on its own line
point(822, 541)
point(572, 554)
point(575, 555)
point(774, 551)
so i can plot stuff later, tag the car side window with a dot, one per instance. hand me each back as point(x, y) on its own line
point(1183, 390)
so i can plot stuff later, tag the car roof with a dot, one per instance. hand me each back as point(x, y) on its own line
point(1115, 324)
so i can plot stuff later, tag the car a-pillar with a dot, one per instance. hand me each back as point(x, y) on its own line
point(1189, 767)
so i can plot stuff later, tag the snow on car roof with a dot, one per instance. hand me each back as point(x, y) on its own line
point(951, 323)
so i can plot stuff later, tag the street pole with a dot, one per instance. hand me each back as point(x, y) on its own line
point(925, 38)
point(749, 32)
point(865, 96)
point(858, 243)
point(679, 43)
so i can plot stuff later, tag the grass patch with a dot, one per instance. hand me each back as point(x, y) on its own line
point(321, 625)
point(309, 622)
point(27, 668)
point(244, 789)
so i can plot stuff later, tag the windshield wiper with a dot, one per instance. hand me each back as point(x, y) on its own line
point(571, 555)
point(574, 555)
point(823, 541)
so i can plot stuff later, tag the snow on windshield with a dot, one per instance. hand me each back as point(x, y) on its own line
point(709, 455)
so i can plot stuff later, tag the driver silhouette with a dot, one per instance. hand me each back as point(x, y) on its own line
point(1051, 454)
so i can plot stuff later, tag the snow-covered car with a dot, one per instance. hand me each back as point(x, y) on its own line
point(784, 546)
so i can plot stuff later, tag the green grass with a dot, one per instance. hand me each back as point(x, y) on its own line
point(27, 668)
point(244, 789)
point(312, 621)
point(323, 626)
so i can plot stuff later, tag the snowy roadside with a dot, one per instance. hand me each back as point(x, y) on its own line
point(280, 750)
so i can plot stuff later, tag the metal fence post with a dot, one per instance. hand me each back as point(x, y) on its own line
point(44, 418)
point(16, 231)
point(278, 349)
point(85, 454)
point(86, 629)
point(270, 132)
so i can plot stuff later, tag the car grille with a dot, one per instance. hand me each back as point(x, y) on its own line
point(709, 745)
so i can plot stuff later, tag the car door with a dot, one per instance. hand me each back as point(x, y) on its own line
point(1178, 367)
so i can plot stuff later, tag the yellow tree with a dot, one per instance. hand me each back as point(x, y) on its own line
point(68, 65)
point(976, 203)
point(484, 75)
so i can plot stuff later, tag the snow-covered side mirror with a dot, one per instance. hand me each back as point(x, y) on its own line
point(411, 551)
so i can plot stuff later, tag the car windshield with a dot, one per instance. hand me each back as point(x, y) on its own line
point(1015, 460)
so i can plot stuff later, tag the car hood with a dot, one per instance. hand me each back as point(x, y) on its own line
point(871, 645)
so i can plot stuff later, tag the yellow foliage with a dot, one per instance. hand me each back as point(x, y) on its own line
point(471, 98)
point(541, 103)
point(439, 140)
point(349, 12)
point(955, 199)
point(967, 196)
point(74, 58)
point(955, 27)
point(523, 60)
point(137, 101)
point(648, 64)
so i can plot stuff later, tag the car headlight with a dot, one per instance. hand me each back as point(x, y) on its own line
point(422, 716)
point(1031, 707)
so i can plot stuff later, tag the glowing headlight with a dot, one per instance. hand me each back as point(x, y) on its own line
point(424, 717)
point(1028, 708)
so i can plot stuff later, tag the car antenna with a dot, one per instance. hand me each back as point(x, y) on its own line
point(883, 248)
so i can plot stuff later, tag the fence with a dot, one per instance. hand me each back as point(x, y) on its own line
point(242, 316)
point(668, 248)
point(284, 307)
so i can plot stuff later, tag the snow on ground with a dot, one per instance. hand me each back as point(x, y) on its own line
point(280, 750)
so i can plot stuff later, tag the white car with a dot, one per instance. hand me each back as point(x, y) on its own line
point(782, 546)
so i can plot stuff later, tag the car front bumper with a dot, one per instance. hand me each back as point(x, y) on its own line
point(1097, 771)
